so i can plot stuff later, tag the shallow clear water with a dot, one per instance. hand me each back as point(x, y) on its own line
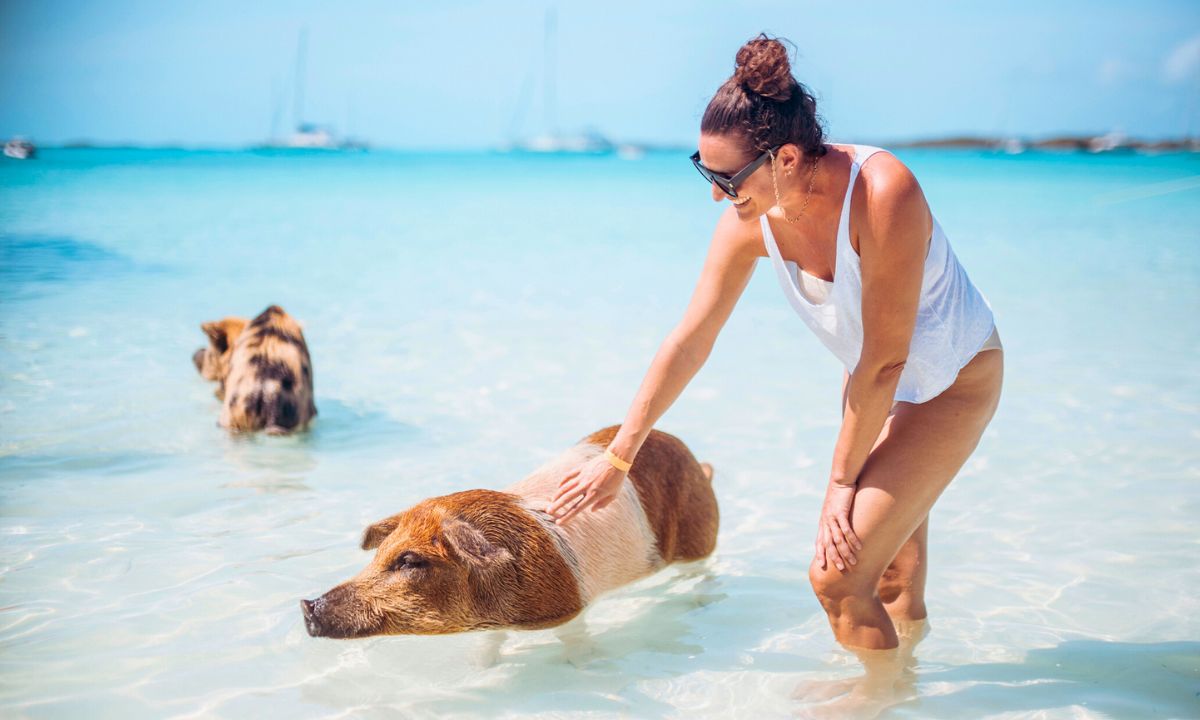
point(470, 316)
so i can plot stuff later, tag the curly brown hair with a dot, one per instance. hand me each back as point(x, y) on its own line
point(764, 104)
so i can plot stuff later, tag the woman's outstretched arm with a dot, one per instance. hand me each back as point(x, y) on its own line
point(727, 270)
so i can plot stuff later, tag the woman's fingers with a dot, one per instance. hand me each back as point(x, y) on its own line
point(592, 500)
point(851, 536)
point(840, 542)
point(831, 557)
point(837, 543)
point(577, 508)
point(567, 486)
point(579, 491)
point(602, 503)
point(820, 546)
point(564, 497)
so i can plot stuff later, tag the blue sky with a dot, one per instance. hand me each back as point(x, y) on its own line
point(451, 75)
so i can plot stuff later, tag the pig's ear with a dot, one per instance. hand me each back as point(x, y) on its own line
point(374, 535)
point(222, 333)
point(217, 336)
point(472, 546)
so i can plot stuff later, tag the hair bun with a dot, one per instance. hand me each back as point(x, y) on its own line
point(763, 68)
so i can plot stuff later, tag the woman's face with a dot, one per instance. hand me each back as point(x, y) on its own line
point(727, 155)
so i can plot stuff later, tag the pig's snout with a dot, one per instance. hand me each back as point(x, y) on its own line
point(311, 623)
point(339, 614)
point(198, 359)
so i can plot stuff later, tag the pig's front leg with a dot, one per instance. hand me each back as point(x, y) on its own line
point(487, 651)
point(578, 647)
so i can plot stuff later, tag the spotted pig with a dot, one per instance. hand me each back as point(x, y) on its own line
point(263, 372)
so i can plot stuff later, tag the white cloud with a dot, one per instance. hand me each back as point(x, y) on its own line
point(1183, 61)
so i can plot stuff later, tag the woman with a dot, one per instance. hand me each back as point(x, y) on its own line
point(867, 267)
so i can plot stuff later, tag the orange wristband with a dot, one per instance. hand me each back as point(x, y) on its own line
point(616, 462)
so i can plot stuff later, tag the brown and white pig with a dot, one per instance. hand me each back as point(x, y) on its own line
point(483, 559)
point(263, 372)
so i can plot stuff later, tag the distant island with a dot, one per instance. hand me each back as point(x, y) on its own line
point(1078, 143)
point(1110, 142)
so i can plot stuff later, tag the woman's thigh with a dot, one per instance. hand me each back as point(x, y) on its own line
point(920, 450)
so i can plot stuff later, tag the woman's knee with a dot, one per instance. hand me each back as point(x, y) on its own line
point(834, 588)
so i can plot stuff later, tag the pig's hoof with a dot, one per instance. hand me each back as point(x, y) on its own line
point(579, 654)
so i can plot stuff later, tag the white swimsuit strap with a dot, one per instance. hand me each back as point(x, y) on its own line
point(861, 153)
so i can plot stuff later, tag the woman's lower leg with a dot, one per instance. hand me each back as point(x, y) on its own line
point(902, 587)
point(863, 622)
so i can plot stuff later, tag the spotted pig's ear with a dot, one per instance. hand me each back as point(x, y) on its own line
point(222, 333)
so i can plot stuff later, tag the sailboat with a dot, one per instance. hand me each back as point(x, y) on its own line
point(306, 135)
point(19, 148)
point(589, 142)
point(1108, 142)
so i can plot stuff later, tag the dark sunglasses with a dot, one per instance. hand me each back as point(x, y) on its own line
point(729, 183)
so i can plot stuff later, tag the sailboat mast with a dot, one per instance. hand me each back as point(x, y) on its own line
point(298, 98)
point(549, 71)
point(276, 106)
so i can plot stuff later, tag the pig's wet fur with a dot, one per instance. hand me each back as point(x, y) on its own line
point(263, 372)
point(483, 559)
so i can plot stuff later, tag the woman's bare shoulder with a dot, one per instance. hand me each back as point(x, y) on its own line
point(885, 175)
point(893, 199)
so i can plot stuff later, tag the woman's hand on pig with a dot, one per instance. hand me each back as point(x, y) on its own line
point(594, 486)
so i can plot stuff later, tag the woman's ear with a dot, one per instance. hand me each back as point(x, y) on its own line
point(788, 158)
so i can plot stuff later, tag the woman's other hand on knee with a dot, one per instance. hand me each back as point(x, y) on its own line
point(836, 540)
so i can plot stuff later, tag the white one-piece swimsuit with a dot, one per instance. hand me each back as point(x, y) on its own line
point(954, 320)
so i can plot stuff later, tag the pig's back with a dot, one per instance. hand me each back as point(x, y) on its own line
point(666, 512)
point(606, 549)
point(676, 494)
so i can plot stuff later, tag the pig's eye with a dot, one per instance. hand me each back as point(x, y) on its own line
point(409, 561)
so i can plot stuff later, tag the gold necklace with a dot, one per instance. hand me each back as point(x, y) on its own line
point(812, 179)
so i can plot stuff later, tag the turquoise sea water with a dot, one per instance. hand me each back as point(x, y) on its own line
point(472, 315)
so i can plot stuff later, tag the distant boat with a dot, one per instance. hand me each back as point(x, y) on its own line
point(630, 151)
point(307, 135)
point(1012, 146)
point(591, 143)
point(311, 137)
point(19, 148)
point(588, 142)
point(1115, 140)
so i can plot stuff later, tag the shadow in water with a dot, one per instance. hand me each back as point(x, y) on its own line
point(1109, 678)
point(26, 467)
point(585, 670)
point(889, 678)
point(31, 265)
point(341, 427)
point(279, 463)
point(1117, 679)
